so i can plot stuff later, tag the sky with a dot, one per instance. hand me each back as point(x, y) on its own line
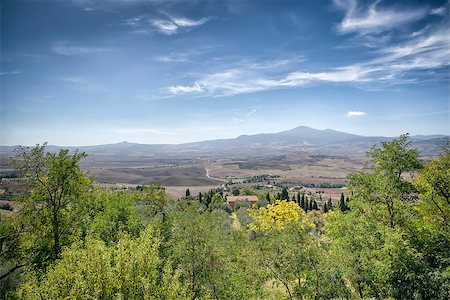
point(88, 72)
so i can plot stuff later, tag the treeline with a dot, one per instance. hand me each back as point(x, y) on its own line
point(71, 241)
point(260, 178)
point(323, 185)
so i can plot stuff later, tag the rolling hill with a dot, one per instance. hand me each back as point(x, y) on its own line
point(299, 139)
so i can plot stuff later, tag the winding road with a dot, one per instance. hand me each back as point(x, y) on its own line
point(214, 178)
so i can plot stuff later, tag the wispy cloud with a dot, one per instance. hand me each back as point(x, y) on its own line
point(168, 25)
point(164, 26)
point(84, 84)
point(184, 56)
point(245, 80)
point(373, 19)
point(10, 73)
point(441, 11)
point(67, 49)
point(181, 89)
point(175, 24)
point(351, 114)
point(405, 62)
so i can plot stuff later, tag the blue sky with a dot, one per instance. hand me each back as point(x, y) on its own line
point(87, 72)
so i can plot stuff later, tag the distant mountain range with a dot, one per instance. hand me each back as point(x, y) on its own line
point(299, 139)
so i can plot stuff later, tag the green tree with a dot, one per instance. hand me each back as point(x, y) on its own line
point(128, 269)
point(302, 202)
point(188, 193)
point(381, 242)
point(342, 206)
point(382, 182)
point(217, 198)
point(57, 184)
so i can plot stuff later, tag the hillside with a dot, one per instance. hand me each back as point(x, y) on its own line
point(302, 138)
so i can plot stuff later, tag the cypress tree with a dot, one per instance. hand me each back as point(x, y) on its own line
point(302, 202)
point(200, 197)
point(310, 205)
point(284, 194)
point(330, 204)
point(325, 208)
point(314, 206)
point(188, 193)
point(342, 202)
point(268, 197)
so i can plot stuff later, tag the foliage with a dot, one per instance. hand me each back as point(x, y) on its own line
point(241, 203)
point(48, 214)
point(127, 270)
point(276, 216)
point(243, 217)
point(390, 241)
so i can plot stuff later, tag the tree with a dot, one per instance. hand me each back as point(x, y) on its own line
point(342, 206)
point(284, 195)
point(433, 184)
point(276, 216)
point(188, 193)
point(94, 270)
point(330, 204)
point(235, 192)
point(382, 182)
point(386, 245)
point(302, 202)
point(314, 205)
point(57, 184)
point(217, 198)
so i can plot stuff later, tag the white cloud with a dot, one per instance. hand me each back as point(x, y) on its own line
point(391, 65)
point(68, 50)
point(165, 27)
point(180, 89)
point(372, 19)
point(168, 25)
point(440, 11)
point(356, 114)
point(173, 25)
point(185, 22)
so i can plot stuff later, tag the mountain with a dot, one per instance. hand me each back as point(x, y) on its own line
point(302, 138)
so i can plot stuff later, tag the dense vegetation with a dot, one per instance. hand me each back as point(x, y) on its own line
point(73, 241)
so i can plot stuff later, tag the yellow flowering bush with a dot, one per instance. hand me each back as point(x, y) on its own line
point(276, 216)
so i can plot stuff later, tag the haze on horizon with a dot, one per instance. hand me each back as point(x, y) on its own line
point(89, 72)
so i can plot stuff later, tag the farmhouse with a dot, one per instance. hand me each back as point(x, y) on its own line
point(232, 199)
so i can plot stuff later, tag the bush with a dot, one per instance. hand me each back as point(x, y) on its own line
point(221, 205)
point(6, 206)
point(243, 217)
point(241, 203)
